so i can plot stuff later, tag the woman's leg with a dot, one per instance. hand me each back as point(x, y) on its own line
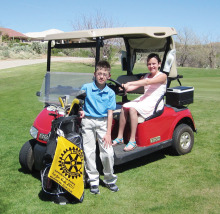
point(134, 122)
point(122, 122)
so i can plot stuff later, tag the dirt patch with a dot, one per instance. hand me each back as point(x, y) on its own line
point(10, 63)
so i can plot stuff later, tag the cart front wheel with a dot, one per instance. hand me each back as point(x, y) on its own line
point(26, 156)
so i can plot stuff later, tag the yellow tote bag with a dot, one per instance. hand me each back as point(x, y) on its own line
point(68, 167)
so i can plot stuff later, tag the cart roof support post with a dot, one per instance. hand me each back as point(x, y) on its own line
point(49, 56)
point(165, 53)
point(128, 51)
point(99, 44)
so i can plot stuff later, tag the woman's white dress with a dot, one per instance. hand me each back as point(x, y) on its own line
point(145, 104)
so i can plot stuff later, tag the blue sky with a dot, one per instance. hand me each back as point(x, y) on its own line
point(200, 16)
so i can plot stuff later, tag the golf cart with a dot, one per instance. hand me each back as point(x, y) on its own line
point(175, 122)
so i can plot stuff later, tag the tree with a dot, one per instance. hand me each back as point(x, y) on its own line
point(193, 51)
point(0, 37)
point(186, 39)
point(212, 56)
point(211, 53)
point(98, 21)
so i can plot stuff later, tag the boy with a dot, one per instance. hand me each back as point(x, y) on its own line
point(96, 123)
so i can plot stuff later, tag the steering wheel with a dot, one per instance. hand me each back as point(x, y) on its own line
point(116, 87)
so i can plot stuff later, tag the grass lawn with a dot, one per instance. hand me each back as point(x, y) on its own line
point(158, 183)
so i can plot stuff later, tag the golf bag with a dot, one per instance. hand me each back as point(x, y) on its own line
point(67, 127)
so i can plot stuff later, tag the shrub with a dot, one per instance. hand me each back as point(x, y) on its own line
point(5, 53)
point(39, 48)
point(22, 50)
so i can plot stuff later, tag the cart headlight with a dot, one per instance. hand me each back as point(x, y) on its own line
point(33, 132)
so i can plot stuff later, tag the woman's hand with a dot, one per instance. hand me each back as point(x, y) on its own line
point(130, 86)
point(126, 86)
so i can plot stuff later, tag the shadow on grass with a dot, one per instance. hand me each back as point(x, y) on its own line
point(47, 197)
point(147, 159)
point(35, 173)
point(156, 156)
point(61, 199)
point(44, 196)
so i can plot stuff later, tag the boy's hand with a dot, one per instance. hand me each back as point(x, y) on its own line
point(81, 114)
point(107, 140)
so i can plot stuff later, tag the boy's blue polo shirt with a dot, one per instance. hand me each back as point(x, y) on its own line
point(98, 102)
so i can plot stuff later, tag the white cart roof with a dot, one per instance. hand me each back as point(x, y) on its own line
point(154, 32)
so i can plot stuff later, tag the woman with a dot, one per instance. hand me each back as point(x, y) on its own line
point(154, 86)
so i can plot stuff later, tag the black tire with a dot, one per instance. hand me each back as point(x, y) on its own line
point(26, 156)
point(183, 139)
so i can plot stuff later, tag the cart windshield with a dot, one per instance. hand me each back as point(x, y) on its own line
point(60, 84)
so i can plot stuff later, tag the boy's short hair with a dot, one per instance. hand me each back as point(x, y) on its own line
point(103, 64)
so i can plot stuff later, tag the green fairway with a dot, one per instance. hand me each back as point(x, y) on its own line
point(158, 183)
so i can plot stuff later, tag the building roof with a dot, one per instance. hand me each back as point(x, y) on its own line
point(12, 33)
point(41, 35)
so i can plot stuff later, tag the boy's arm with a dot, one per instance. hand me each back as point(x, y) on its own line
point(107, 138)
point(81, 112)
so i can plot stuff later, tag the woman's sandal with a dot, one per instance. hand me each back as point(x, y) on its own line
point(117, 141)
point(132, 144)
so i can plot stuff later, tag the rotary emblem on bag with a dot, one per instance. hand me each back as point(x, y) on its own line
point(71, 162)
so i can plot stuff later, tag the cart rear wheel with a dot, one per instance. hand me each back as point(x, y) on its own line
point(183, 139)
point(26, 156)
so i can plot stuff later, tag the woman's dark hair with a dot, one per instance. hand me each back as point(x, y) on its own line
point(153, 55)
